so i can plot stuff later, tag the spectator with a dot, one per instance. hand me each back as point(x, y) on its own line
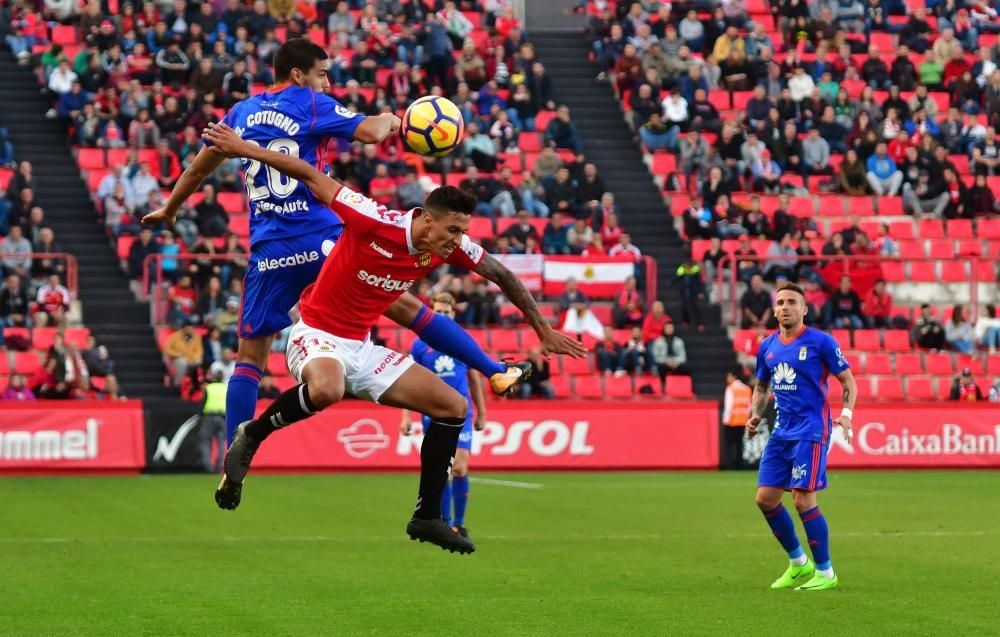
point(213, 220)
point(53, 303)
point(225, 366)
point(141, 249)
point(608, 353)
point(519, 232)
point(17, 251)
point(561, 194)
point(927, 332)
point(782, 260)
point(926, 197)
point(538, 385)
point(652, 324)
point(657, 134)
point(851, 178)
point(168, 167)
point(755, 304)
point(206, 79)
point(979, 200)
point(547, 164)
point(144, 183)
point(267, 390)
point(580, 236)
point(562, 132)
point(692, 292)
point(173, 64)
point(117, 176)
point(746, 268)
point(964, 388)
point(632, 359)
point(883, 175)
point(693, 153)
point(627, 308)
point(382, 187)
point(995, 392)
point(14, 307)
point(61, 79)
point(958, 331)
point(17, 389)
point(735, 413)
point(183, 352)
point(816, 154)
point(44, 266)
point(987, 330)
point(844, 307)
point(579, 319)
point(766, 173)
point(98, 360)
point(479, 148)
point(143, 131)
point(699, 222)
point(182, 301)
point(227, 323)
point(878, 306)
point(668, 354)
point(555, 239)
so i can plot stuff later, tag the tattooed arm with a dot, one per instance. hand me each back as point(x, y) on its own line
point(850, 392)
point(552, 342)
point(758, 403)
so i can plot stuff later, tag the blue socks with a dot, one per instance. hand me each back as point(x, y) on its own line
point(460, 496)
point(446, 502)
point(819, 537)
point(445, 335)
point(783, 526)
point(241, 397)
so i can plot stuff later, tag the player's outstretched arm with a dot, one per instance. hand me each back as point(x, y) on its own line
point(204, 164)
point(850, 394)
point(227, 143)
point(375, 129)
point(552, 342)
point(758, 403)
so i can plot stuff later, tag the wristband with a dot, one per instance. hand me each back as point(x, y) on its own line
point(846, 412)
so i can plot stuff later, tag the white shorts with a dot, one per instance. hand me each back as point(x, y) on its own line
point(369, 370)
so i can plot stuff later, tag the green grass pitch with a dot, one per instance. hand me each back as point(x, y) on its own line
point(584, 554)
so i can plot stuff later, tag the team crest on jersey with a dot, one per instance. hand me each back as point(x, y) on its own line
point(424, 259)
point(803, 352)
point(798, 472)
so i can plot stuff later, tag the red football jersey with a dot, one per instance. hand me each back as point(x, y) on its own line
point(370, 267)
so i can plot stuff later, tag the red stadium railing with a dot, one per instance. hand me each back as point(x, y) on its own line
point(72, 278)
point(864, 270)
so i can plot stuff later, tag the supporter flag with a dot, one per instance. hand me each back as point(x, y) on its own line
point(596, 276)
point(527, 268)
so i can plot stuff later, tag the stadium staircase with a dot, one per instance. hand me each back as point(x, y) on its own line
point(608, 142)
point(111, 312)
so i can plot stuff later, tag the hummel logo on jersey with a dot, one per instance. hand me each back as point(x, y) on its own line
point(300, 258)
point(387, 283)
point(385, 253)
point(784, 376)
point(444, 366)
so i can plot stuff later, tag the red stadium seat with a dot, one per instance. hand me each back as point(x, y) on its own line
point(961, 161)
point(587, 387)
point(893, 271)
point(954, 271)
point(575, 366)
point(878, 364)
point(26, 363)
point(679, 387)
point(993, 365)
point(232, 202)
point(854, 360)
point(986, 271)
point(240, 224)
point(889, 388)
point(843, 338)
point(124, 245)
point(961, 229)
point(530, 142)
point(867, 340)
point(988, 228)
point(902, 229)
point(911, 249)
point(860, 206)
point(480, 337)
point(90, 158)
point(504, 340)
point(77, 336)
point(831, 206)
point(543, 118)
point(920, 388)
point(528, 337)
point(94, 178)
point(909, 364)
point(923, 271)
point(618, 386)
point(663, 164)
point(64, 34)
point(803, 206)
point(277, 364)
point(864, 387)
point(897, 340)
point(889, 206)
point(970, 248)
point(939, 364)
point(941, 249)
point(678, 204)
point(974, 363)
point(43, 337)
point(719, 99)
point(481, 228)
point(931, 229)
point(561, 386)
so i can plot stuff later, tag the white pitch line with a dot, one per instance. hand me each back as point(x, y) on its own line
point(506, 483)
point(326, 538)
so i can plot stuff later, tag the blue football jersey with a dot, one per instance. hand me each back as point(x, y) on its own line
point(798, 372)
point(298, 121)
point(450, 370)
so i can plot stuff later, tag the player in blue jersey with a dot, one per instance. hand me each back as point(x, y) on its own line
point(794, 364)
point(292, 232)
point(466, 383)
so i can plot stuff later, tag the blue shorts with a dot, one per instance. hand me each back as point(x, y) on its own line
point(793, 464)
point(465, 437)
point(278, 271)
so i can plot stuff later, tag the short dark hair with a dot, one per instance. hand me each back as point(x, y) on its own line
point(296, 53)
point(788, 285)
point(450, 199)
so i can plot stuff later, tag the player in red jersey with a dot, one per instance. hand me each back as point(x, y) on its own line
point(382, 254)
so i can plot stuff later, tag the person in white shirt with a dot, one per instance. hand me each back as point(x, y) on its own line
point(675, 108)
point(625, 246)
point(62, 78)
point(988, 329)
point(144, 182)
point(801, 84)
point(117, 176)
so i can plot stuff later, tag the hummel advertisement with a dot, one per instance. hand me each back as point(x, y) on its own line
point(518, 435)
point(71, 436)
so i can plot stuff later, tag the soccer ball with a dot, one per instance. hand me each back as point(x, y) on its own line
point(432, 126)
